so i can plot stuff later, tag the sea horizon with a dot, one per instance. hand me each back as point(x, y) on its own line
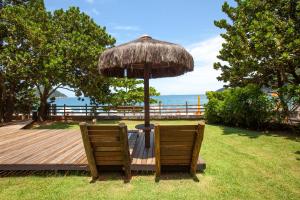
point(164, 99)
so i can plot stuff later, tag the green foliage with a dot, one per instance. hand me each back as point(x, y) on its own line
point(79, 45)
point(13, 2)
point(129, 92)
point(26, 101)
point(51, 50)
point(290, 96)
point(215, 106)
point(60, 49)
point(246, 107)
point(16, 94)
point(262, 45)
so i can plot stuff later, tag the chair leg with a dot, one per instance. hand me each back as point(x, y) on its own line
point(127, 171)
point(157, 177)
point(93, 179)
point(194, 176)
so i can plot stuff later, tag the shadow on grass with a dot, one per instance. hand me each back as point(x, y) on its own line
point(55, 125)
point(255, 134)
point(111, 176)
point(297, 154)
point(108, 121)
point(23, 173)
point(105, 176)
point(68, 124)
point(177, 176)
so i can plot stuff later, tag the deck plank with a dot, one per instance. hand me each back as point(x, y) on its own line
point(46, 149)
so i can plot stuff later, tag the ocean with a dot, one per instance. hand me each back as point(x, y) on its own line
point(165, 100)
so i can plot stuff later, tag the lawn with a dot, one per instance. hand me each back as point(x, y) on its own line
point(241, 164)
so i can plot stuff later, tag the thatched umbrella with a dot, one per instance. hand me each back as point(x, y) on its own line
point(145, 58)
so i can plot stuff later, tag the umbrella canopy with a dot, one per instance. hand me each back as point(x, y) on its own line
point(145, 58)
point(163, 58)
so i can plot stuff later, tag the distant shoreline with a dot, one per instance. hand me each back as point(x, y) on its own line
point(191, 99)
point(154, 96)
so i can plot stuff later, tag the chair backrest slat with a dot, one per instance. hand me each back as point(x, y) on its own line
point(88, 150)
point(178, 145)
point(106, 145)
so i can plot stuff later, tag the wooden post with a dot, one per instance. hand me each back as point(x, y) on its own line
point(126, 154)
point(86, 112)
point(94, 111)
point(146, 105)
point(64, 110)
point(159, 108)
point(54, 109)
point(197, 147)
point(132, 110)
point(186, 108)
point(199, 106)
point(157, 152)
point(50, 111)
point(89, 151)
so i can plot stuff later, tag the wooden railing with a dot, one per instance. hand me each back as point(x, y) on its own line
point(155, 110)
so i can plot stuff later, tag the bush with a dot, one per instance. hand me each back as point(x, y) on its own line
point(214, 107)
point(245, 107)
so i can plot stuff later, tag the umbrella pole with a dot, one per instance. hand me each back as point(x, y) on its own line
point(146, 105)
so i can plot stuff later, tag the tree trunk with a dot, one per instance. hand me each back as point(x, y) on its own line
point(7, 100)
point(43, 109)
point(9, 107)
point(285, 113)
point(2, 106)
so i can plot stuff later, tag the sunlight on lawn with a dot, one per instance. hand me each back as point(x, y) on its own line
point(241, 164)
point(130, 123)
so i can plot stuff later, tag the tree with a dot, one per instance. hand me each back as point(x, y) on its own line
point(129, 92)
point(44, 51)
point(15, 90)
point(13, 2)
point(262, 45)
point(55, 50)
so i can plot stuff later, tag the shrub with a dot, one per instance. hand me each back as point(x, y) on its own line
point(214, 107)
point(246, 107)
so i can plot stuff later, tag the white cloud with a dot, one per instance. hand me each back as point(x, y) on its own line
point(203, 78)
point(95, 11)
point(206, 51)
point(90, 1)
point(199, 81)
point(126, 28)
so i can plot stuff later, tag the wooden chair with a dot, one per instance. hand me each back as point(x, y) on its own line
point(106, 145)
point(178, 145)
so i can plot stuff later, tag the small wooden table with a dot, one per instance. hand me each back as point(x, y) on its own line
point(147, 130)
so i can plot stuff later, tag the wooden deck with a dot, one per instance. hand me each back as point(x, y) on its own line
point(45, 149)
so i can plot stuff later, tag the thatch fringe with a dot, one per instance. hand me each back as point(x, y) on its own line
point(165, 59)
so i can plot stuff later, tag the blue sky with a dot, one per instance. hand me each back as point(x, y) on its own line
point(188, 23)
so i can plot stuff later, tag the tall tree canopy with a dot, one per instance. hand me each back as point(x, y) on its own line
point(54, 50)
point(44, 51)
point(262, 45)
point(16, 94)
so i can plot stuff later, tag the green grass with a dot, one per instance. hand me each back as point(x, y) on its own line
point(241, 164)
point(130, 123)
